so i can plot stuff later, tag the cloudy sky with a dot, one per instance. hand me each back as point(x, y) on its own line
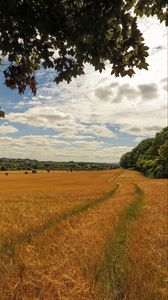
point(97, 117)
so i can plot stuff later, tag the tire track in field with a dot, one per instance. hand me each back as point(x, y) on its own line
point(110, 274)
point(113, 178)
point(8, 248)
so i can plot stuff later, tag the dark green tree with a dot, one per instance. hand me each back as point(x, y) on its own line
point(2, 114)
point(125, 161)
point(66, 34)
point(150, 156)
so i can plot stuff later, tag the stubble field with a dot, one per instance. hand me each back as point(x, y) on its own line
point(99, 235)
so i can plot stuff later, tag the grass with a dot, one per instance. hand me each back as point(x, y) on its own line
point(9, 246)
point(26, 203)
point(79, 235)
point(146, 276)
point(111, 273)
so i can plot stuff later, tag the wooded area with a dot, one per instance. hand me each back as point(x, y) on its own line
point(150, 156)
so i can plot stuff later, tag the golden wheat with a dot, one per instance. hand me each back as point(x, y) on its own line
point(55, 230)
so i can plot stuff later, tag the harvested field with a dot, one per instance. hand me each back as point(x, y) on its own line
point(97, 235)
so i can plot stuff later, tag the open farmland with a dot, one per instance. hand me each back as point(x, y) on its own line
point(83, 235)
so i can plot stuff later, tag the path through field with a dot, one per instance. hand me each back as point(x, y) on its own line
point(97, 235)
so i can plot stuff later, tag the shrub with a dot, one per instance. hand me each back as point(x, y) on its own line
point(3, 168)
point(34, 171)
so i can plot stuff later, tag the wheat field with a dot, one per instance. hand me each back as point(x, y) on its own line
point(99, 235)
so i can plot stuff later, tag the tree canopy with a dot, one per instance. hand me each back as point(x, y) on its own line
point(66, 34)
point(150, 156)
point(2, 114)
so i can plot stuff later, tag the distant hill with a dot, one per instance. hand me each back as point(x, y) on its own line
point(150, 156)
point(28, 164)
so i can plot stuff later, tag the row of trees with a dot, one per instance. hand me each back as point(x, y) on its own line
point(28, 164)
point(150, 156)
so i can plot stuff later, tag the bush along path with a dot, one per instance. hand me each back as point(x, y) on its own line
point(112, 272)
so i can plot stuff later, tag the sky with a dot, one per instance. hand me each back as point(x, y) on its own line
point(97, 117)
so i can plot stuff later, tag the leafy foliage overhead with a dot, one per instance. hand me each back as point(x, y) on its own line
point(65, 34)
point(150, 156)
point(2, 114)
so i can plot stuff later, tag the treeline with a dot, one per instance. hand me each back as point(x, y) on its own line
point(150, 156)
point(7, 164)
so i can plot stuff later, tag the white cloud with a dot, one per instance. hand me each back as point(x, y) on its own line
point(5, 129)
point(98, 130)
point(42, 116)
point(51, 117)
point(48, 148)
point(69, 135)
point(143, 131)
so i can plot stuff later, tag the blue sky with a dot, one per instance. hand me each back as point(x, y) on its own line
point(97, 117)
